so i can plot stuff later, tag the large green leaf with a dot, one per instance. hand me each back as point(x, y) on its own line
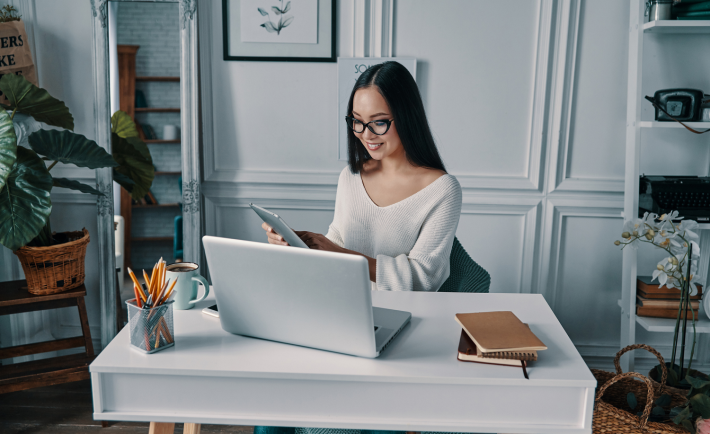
point(75, 185)
point(25, 202)
point(133, 165)
point(70, 148)
point(36, 102)
point(123, 125)
point(8, 146)
point(123, 181)
point(141, 147)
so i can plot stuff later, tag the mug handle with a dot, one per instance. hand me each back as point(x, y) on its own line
point(204, 283)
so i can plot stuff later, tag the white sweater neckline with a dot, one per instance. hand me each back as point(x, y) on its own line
point(372, 202)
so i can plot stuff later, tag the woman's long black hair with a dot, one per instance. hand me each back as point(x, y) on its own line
point(400, 91)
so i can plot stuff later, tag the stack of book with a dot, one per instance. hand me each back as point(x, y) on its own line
point(497, 338)
point(663, 302)
point(691, 10)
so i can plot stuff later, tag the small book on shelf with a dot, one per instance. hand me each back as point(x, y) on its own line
point(660, 303)
point(653, 312)
point(150, 199)
point(647, 288)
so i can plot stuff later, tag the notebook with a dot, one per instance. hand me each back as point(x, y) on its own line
point(468, 352)
point(500, 335)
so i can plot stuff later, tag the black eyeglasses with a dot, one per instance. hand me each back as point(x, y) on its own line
point(379, 126)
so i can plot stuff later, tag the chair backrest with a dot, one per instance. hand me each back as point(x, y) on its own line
point(466, 275)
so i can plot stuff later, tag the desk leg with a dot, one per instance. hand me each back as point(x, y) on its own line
point(191, 428)
point(161, 428)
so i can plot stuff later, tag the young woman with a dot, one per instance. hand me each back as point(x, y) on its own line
point(395, 204)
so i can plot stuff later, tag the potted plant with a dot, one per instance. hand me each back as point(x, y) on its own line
point(54, 262)
point(679, 270)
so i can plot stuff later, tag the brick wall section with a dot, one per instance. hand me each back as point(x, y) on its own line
point(155, 28)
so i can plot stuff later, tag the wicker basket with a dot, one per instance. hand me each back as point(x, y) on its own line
point(610, 419)
point(616, 393)
point(54, 269)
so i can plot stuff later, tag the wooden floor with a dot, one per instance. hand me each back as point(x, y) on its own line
point(67, 409)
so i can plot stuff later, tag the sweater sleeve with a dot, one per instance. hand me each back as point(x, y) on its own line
point(426, 267)
point(334, 230)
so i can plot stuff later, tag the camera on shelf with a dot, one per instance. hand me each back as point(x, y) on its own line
point(678, 105)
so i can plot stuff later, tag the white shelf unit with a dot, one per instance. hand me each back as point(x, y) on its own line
point(634, 99)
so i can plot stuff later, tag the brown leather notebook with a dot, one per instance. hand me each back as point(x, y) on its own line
point(499, 332)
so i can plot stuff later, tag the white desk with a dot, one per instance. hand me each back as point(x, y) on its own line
point(211, 376)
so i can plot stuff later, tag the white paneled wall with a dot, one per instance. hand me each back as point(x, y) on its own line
point(527, 102)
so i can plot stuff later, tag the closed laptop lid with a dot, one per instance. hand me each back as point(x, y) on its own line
point(298, 296)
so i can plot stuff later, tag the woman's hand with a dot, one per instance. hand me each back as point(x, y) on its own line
point(272, 236)
point(319, 242)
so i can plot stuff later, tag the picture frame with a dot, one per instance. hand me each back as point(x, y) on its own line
point(235, 49)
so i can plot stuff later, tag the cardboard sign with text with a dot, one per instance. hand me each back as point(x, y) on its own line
point(15, 55)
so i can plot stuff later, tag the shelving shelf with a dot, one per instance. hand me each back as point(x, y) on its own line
point(674, 26)
point(160, 205)
point(639, 31)
point(157, 78)
point(667, 325)
point(161, 142)
point(654, 124)
point(157, 110)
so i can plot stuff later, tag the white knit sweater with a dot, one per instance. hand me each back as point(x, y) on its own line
point(410, 239)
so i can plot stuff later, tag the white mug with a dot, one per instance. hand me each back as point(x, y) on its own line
point(171, 132)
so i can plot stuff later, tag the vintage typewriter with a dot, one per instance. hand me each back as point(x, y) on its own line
point(689, 195)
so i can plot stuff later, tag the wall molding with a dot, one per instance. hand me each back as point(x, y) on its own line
point(557, 210)
point(373, 23)
point(562, 94)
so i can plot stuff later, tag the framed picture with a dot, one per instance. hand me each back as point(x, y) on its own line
point(279, 30)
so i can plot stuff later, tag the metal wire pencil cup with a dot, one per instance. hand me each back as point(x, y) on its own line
point(151, 329)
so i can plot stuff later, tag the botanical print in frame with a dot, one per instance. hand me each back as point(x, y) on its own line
point(274, 34)
point(279, 21)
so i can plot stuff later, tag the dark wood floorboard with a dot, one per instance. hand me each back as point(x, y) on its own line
point(67, 408)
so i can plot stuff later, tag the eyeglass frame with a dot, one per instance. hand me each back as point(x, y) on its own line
point(367, 125)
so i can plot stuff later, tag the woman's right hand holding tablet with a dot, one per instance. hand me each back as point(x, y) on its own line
point(272, 236)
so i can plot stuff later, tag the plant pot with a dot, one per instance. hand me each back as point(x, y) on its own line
point(653, 376)
point(58, 268)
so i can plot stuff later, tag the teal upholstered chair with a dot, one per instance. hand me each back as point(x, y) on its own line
point(465, 275)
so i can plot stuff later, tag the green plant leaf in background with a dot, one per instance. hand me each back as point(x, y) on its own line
point(8, 146)
point(75, 185)
point(27, 98)
point(701, 404)
point(123, 181)
point(70, 148)
point(123, 125)
point(25, 203)
point(133, 165)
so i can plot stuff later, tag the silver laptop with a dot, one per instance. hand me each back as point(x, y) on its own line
point(298, 296)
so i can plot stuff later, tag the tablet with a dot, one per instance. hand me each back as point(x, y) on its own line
point(279, 226)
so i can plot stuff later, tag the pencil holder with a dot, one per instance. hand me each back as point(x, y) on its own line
point(150, 330)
